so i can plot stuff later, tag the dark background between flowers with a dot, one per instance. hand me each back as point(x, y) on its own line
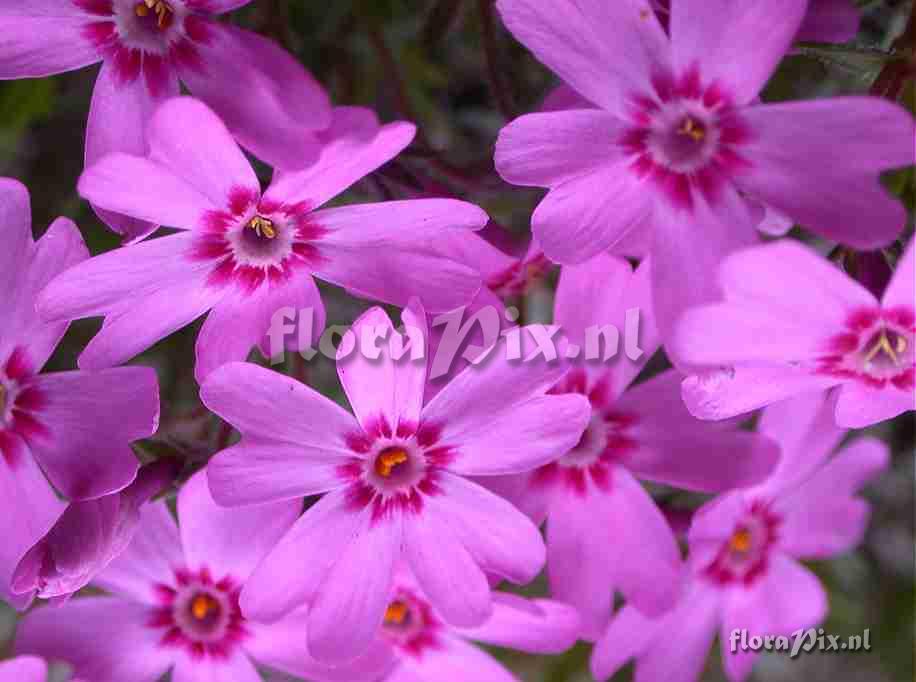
point(450, 67)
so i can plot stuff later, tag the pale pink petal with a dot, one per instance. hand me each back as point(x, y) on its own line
point(89, 420)
point(794, 146)
point(606, 51)
point(455, 659)
point(590, 213)
point(60, 248)
point(257, 471)
point(445, 570)
point(641, 545)
point(355, 145)
point(520, 437)
point(830, 21)
point(762, 288)
point(901, 291)
point(118, 117)
point(16, 226)
point(143, 189)
point(629, 634)
point(382, 387)
point(237, 668)
point(859, 406)
point(151, 558)
point(190, 141)
point(283, 646)
point(601, 292)
point(739, 663)
point(787, 598)
point(283, 105)
point(229, 541)
point(237, 324)
point(807, 433)
point(547, 149)
point(41, 38)
point(731, 391)
point(29, 510)
point(541, 626)
point(349, 606)
point(580, 560)
point(737, 43)
point(823, 517)
point(282, 582)
point(23, 669)
point(500, 539)
point(73, 632)
point(250, 398)
point(675, 448)
point(686, 252)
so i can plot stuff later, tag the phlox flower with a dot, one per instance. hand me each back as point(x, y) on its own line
point(173, 604)
point(25, 669)
point(604, 531)
point(243, 254)
point(679, 145)
point(745, 547)
point(428, 649)
point(272, 105)
point(87, 537)
point(394, 478)
point(793, 322)
point(72, 427)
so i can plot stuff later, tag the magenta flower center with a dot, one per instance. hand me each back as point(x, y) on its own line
point(409, 624)
point(21, 404)
point(744, 556)
point(254, 241)
point(878, 348)
point(200, 615)
point(393, 469)
point(685, 137)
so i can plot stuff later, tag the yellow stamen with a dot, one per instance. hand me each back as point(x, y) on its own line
point(202, 606)
point(692, 128)
point(396, 613)
point(388, 460)
point(263, 227)
point(161, 9)
point(884, 346)
point(741, 540)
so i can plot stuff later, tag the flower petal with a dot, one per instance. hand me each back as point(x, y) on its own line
point(118, 117)
point(235, 668)
point(830, 21)
point(455, 659)
point(89, 420)
point(355, 145)
point(540, 626)
point(628, 636)
point(548, 149)
point(350, 604)
point(735, 43)
point(859, 406)
point(842, 199)
point(272, 105)
point(73, 631)
point(229, 541)
point(16, 222)
point(900, 290)
point(447, 573)
point(606, 51)
point(251, 397)
point(24, 669)
point(41, 38)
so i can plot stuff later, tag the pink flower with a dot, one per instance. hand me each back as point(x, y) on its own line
point(792, 322)
point(428, 649)
point(273, 107)
point(395, 479)
point(744, 552)
point(174, 603)
point(23, 669)
point(87, 537)
point(243, 254)
point(679, 144)
point(604, 531)
point(73, 427)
